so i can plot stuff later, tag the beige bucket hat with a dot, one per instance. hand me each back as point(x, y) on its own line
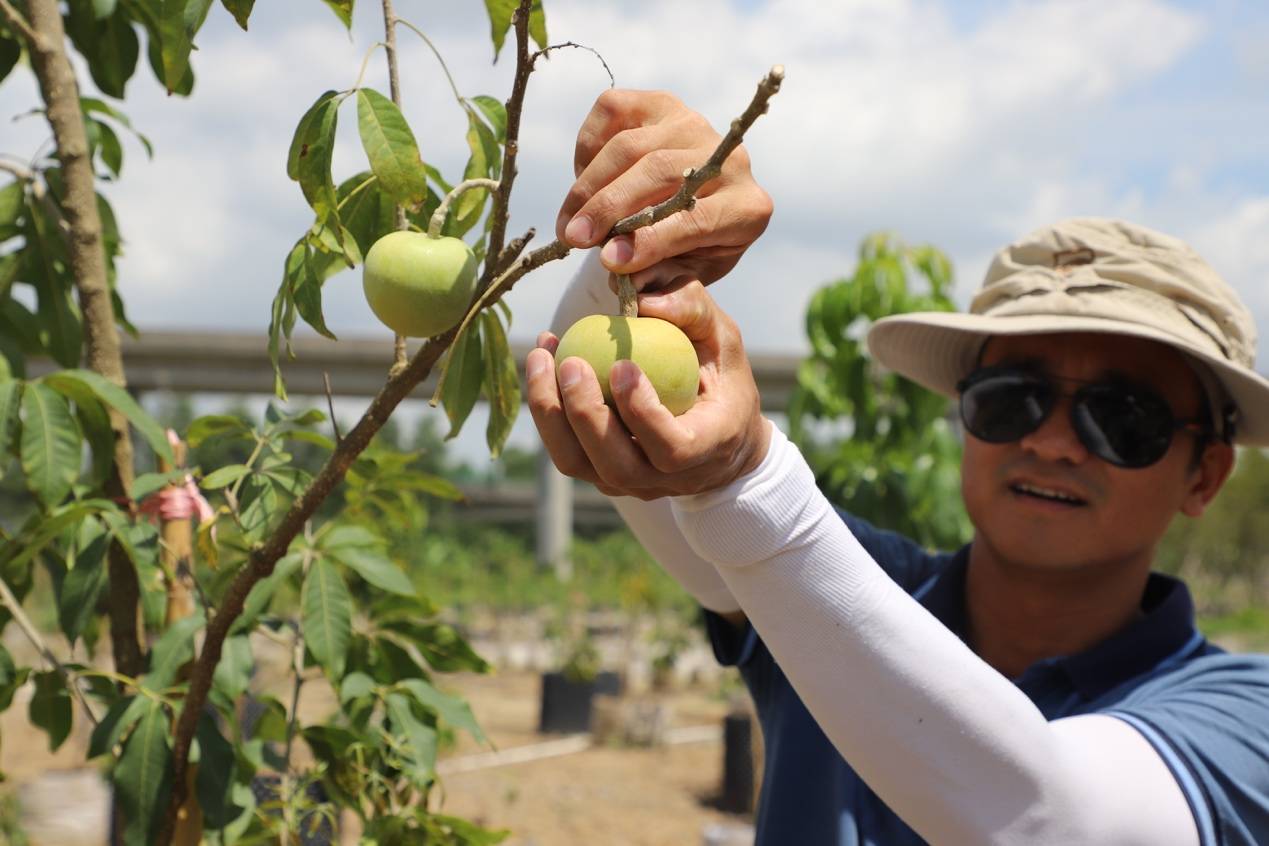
point(1093, 275)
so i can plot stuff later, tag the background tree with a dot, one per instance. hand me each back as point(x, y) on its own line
point(881, 446)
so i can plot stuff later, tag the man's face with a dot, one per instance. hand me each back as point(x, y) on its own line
point(1018, 494)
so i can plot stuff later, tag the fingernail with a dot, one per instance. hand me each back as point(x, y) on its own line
point(618, 251)
point(534, 366)
point(579, 230)
point(570, 373)
point(622, 376)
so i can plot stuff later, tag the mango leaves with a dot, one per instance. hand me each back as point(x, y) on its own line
point(500, 14)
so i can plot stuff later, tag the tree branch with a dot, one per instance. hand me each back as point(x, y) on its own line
point(394, 89)
point(19, 23)
point(9, 601)
point(694, 178)
point(511, 148)
point(264, 557)
point(60, 91)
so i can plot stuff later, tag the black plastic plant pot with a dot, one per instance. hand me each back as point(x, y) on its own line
point(567, 703)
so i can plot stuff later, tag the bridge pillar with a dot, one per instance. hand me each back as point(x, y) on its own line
point(554, 518)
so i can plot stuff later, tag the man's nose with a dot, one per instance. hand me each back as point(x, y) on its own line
point(1055, 439)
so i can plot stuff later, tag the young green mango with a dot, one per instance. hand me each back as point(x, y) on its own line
point(660, 348)
point(417, 285)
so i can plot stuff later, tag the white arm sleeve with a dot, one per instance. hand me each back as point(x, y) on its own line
point(950, 744)
point(651, 522)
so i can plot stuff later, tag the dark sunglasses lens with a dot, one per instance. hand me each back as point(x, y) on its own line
point(1003, 407)
point(1129, 427)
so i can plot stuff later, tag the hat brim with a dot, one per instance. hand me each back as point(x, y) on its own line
point(938, 349)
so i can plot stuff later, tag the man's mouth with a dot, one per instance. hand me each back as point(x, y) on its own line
point(1046, 494)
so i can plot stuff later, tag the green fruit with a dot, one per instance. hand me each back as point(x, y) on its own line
point(417, 285)
point(660, 348)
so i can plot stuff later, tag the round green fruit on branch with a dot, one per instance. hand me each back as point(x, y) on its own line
point(662, 351)
point(418, 285)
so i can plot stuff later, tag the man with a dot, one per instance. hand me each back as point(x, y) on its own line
point(1040, 685)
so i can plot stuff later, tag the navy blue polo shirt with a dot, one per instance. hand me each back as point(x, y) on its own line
point(1205, 711)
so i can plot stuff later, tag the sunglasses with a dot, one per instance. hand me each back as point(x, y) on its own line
point(1126, 424)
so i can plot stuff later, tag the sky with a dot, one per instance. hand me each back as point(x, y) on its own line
point(960, 123)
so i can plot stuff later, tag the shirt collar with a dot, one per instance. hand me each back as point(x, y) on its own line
point(1164, 633)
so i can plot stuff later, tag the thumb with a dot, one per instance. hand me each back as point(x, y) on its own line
point(688, 306)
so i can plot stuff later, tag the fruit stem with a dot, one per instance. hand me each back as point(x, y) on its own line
point(627, 296)
point(438, 216)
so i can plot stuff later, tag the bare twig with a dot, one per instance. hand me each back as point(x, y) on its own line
point(9, 601)
point(512, 251)
point(330, 404)
point(696, 177)
point(437, 223)
point(612, 80)
point(264, 557)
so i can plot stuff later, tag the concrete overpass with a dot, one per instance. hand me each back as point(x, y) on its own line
point(238, 363)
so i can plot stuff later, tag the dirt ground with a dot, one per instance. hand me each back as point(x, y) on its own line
point(659, 796)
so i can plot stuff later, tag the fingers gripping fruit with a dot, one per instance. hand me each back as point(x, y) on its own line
point(418, 285)
point(660, 348)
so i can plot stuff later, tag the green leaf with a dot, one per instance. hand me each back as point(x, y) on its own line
point(501, 384)
point(354, 686)
point(172, 651)
point(50, 526)
point(107, 42)
point(391, 149)
point(373, 566)
point(214, 783)
point(224, 476)
point(50, 444)
point(47, 271)
point(415, 740)
point(343, 10)
point(233, 672)
point(500, 14)
point(326, 607)
point(309, 159)
point(50, 708)
point(240, 9)
point(11, 678)
point(306, 288)
point(121, 716)
point(82, 587)
point(451, 709)
point(10, 53)
point(12, 203)
point(258, 600)
point(118, 399)
point(214, 426)
point(464, 373)
point(10, 402)
point(485, 162)
point(148, 483)
point(495, 112)
point(178, 23)
point(441, 645)
point(111, 149)
point(143, 777)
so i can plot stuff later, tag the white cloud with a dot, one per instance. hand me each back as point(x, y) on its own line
point(895, 114)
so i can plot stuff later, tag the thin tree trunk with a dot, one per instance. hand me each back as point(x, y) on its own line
point(87, 254)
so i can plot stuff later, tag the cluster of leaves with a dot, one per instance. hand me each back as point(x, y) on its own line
point(351, 215)
point(881, 446)
point(359, 619)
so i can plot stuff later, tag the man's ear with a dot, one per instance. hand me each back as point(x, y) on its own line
point(1213, 469)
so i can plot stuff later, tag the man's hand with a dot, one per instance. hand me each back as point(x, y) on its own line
point(631, 152)
point(642, 450)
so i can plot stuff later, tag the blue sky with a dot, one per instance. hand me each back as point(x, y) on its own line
point(959, 123)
